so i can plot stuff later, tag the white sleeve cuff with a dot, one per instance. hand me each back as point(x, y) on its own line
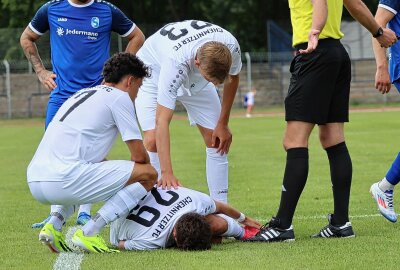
point(129, 31)
point(34, 30)
point(388, 8)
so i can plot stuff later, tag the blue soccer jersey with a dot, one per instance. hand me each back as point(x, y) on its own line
point(80, 40)
point(394, 51)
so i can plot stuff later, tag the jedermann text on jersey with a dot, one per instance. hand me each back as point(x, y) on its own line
point(164, 221)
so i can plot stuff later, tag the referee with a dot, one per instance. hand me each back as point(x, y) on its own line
point(319, 94)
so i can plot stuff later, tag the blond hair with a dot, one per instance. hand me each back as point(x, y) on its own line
point(215, 60)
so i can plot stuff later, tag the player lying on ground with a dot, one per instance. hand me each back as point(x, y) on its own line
point(69, 168)
point(181, 218)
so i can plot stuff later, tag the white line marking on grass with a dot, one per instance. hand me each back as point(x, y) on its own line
point(268, 114)
point(69, 260)
point(324, 217)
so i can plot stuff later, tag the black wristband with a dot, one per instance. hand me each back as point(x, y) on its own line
point(378, 33)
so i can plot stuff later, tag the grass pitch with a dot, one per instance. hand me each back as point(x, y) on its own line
point(256, 164)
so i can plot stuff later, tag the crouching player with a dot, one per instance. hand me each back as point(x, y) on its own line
point(179, 218)
point(69, 166)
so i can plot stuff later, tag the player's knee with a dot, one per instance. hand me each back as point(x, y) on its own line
point(294, 142)
point(145, 174)
point(150, 143)
point(284, 146)
point(153, 175)
point(331, 134)
point(328, 140)
point(149, 177)
point(324, 139)
point(286, 143)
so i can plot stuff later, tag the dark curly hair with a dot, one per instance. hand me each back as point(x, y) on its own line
point(193, 232)
point(122, 64)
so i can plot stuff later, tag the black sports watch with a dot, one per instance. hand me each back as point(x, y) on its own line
point(378, 33)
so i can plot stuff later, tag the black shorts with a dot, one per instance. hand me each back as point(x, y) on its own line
point(320, 85)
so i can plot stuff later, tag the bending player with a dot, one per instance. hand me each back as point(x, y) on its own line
point(188, 59)
point(68, 167)
point(179, 218)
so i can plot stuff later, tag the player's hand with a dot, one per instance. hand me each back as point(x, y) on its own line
point(382, 80)
point(388, 38)
point(221, 139)
point(312, 41)
point(251, 222)
point(168, 180)
point(47, 79)
point(121, 244)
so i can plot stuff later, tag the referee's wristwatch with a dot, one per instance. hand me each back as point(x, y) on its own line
point(378, 33)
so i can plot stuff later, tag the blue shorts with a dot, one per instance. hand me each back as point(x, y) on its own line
point(52, 108)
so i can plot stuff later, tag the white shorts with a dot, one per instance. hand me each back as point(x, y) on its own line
point(203, 108)
point(250, 103)
point(96, 182)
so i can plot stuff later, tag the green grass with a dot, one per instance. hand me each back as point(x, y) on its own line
point(256, 164)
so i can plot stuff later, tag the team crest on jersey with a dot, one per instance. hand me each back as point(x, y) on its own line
point(95, 22)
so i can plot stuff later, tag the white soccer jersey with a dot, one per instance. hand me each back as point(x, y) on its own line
point(171, 51)
point(83, 130)
point(150, 224)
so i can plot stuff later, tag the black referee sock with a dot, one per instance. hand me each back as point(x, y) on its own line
point(341, 173)
point(294, 180)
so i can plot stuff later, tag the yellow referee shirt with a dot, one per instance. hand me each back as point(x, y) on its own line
point(301, 16)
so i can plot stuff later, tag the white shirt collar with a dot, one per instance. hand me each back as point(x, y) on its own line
point(80, 6)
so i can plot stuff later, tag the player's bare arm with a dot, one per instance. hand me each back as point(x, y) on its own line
point(382, 77)
point(138, 152)
point(136, 40)
point(222, 131)
point(320, 14)
point(163, 119)
point(228, 210)
point(27, 41)
point(363, 15)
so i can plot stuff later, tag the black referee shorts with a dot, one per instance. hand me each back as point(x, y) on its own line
point(320, 85)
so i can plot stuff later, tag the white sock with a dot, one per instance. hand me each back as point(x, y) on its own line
point(217, 174)
point(60, 214)
point(85, 208)
point(122, 202)
point(385, 185)
point(234, 228)
point(53, 208)
point(155, 162)
point(57, 221)
point(118, 205)
point(94, 226)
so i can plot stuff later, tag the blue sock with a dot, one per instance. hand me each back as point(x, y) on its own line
point(393, 175)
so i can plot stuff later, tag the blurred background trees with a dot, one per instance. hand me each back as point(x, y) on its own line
point(246, 19)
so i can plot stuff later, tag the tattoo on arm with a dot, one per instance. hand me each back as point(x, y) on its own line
point(31, 51)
